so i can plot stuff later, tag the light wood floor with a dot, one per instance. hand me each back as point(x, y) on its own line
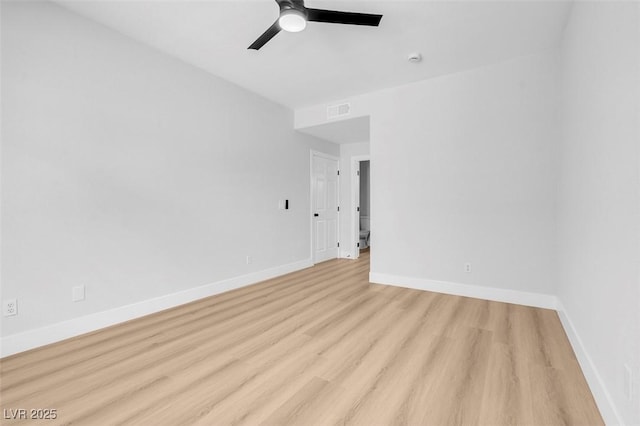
point(317, 347)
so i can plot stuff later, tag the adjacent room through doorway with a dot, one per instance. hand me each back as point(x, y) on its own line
point(364, 217)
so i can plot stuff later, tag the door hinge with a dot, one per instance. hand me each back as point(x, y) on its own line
point(358, 172)
point(338, 244)
point(358, 245)
point(338, 172)
point(338, 208)
point(358, 208)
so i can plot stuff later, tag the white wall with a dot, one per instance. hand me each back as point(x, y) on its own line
point(464, 172)
point(598, 197)
point(347, 206)
point(134, 174)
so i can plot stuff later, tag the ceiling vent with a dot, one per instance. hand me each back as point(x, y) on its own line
point(340, 110)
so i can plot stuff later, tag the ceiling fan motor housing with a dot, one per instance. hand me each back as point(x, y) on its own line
point(297, 5)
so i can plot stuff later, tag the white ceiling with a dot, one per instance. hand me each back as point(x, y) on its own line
point(326, 62)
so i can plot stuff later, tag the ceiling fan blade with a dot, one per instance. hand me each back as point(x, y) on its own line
point(266, 36)
point(336, 17)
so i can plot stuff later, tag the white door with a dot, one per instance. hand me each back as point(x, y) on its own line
point(324, 207)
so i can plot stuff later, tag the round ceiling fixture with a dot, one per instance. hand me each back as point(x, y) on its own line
point(415, 57)
point(292, 20)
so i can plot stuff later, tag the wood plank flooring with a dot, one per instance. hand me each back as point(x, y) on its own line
point(317, 347)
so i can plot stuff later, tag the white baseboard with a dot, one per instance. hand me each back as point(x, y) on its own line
point(600, 393)
point(538, 300)
point(20, 342)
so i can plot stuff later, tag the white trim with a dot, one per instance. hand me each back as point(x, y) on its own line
point(603, 398)
point(538, 300)
point(354, 215)
point(20, 342)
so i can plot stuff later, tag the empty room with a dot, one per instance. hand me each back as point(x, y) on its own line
point(320, 212)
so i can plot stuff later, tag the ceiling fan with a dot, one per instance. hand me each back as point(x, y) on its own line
point(294, 16)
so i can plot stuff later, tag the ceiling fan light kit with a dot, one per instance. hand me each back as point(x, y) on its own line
point(294, 17)
point(292, 20)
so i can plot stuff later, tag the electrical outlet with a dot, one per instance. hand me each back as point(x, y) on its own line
point(467, 267)
point(628, 382)
point(249, 260)
point(10, 307)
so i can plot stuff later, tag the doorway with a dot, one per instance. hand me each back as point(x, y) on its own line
point(361, 217)
point(325, 193)
point(364, 218)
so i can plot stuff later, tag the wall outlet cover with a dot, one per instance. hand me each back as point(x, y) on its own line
point(10, 307)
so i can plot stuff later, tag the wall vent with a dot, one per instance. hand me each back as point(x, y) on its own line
point(334, 111)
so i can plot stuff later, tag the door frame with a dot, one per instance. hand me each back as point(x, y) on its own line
point(355, 203)
point(313, 153)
